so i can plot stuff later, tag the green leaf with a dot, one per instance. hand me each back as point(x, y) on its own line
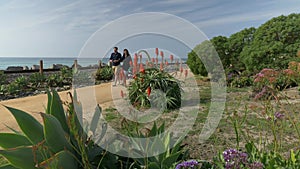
point(57, 110)
point(21, 157)
point(95, 119)
point(10, 140)
point(54, 134)
point(170, 160)
point(49, 96)
point(153, 131)
point(292, 156)
point(153, 166)
point(8, 166)
point(63, 159)
point(29, 125)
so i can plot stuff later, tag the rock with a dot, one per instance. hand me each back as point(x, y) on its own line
point(35, 67)
point(14, 68)
point(57, 66)
point(25, 68)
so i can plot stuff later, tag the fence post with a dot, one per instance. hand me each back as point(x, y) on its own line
point(75, 64)
point(41, 67)
point(100, 64)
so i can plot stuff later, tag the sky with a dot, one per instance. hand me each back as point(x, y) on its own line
point(59, 28)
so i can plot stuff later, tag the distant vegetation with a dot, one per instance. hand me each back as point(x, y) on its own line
point(272, 45)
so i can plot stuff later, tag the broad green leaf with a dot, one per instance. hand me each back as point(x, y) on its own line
point(54, 134)
point(170, 160)
point(13, 130)
point(29, 125)
point(153, 131)
point(8, 166)
point(157, 146)
point(95, 119)
point(21, 157)
point(57, 110)
point(49, 96)
point(10, 140)
point(63, 159)
point(153, 166)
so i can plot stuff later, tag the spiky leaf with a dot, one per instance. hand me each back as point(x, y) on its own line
point(62, 159)
point(10, 140)
point(95, 119)
point(22, 157)
point(57, 110)
point(54, 134)
point(29, 125)
point(8, 166)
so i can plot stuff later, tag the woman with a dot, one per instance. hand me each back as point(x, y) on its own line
point(126, 64)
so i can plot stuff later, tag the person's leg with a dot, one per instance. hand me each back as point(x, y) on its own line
point(125, 77)
point(116, 74)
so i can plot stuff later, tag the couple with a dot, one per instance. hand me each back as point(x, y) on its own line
point(116, 59)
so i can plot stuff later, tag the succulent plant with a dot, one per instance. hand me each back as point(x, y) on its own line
point(60, 142)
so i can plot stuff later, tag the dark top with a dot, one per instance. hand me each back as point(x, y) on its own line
point(115, 56)
point(126, 62)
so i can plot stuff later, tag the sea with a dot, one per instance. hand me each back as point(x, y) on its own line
point(49, 61)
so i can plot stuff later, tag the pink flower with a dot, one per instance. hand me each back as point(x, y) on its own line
point(156, 51)
point(161, 53)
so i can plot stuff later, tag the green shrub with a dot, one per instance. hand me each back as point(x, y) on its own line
point(54, 80)
point(105, 73)
point(21, 82)
point(150, 82)
point(67, 75)
point(37, 79)
point(241, 81)
point(2, 77)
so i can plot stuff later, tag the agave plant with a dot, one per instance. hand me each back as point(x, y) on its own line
point(60, 142)
point(153, 79)
point(158, 141)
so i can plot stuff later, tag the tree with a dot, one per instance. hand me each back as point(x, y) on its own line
point(275, 44)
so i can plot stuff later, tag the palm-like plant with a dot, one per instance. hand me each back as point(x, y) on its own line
point(61, 142)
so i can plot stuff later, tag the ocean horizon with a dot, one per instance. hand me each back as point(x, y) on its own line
point(5, 62)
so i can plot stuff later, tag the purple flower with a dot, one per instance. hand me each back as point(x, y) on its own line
point(230, 154)
point(187, 164)
point(235, 159)
point(278, 115)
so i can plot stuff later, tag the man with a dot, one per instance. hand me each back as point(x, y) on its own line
point(115, 59)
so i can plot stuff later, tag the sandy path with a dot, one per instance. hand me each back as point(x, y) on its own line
point(100, 94)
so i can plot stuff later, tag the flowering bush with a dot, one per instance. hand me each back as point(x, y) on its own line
point(268, 81)
point(147, 82)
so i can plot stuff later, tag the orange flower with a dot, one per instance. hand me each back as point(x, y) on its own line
point(148, 91)
point(142, 70)
point(161, 66)
point(156, 51)
point(161, 53)
point(167, 63)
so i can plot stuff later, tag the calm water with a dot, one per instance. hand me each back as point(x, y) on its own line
point(48, 62)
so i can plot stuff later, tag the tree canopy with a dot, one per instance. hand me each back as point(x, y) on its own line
point(271, 45)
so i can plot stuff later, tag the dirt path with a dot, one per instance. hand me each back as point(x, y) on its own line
point(102, 94)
